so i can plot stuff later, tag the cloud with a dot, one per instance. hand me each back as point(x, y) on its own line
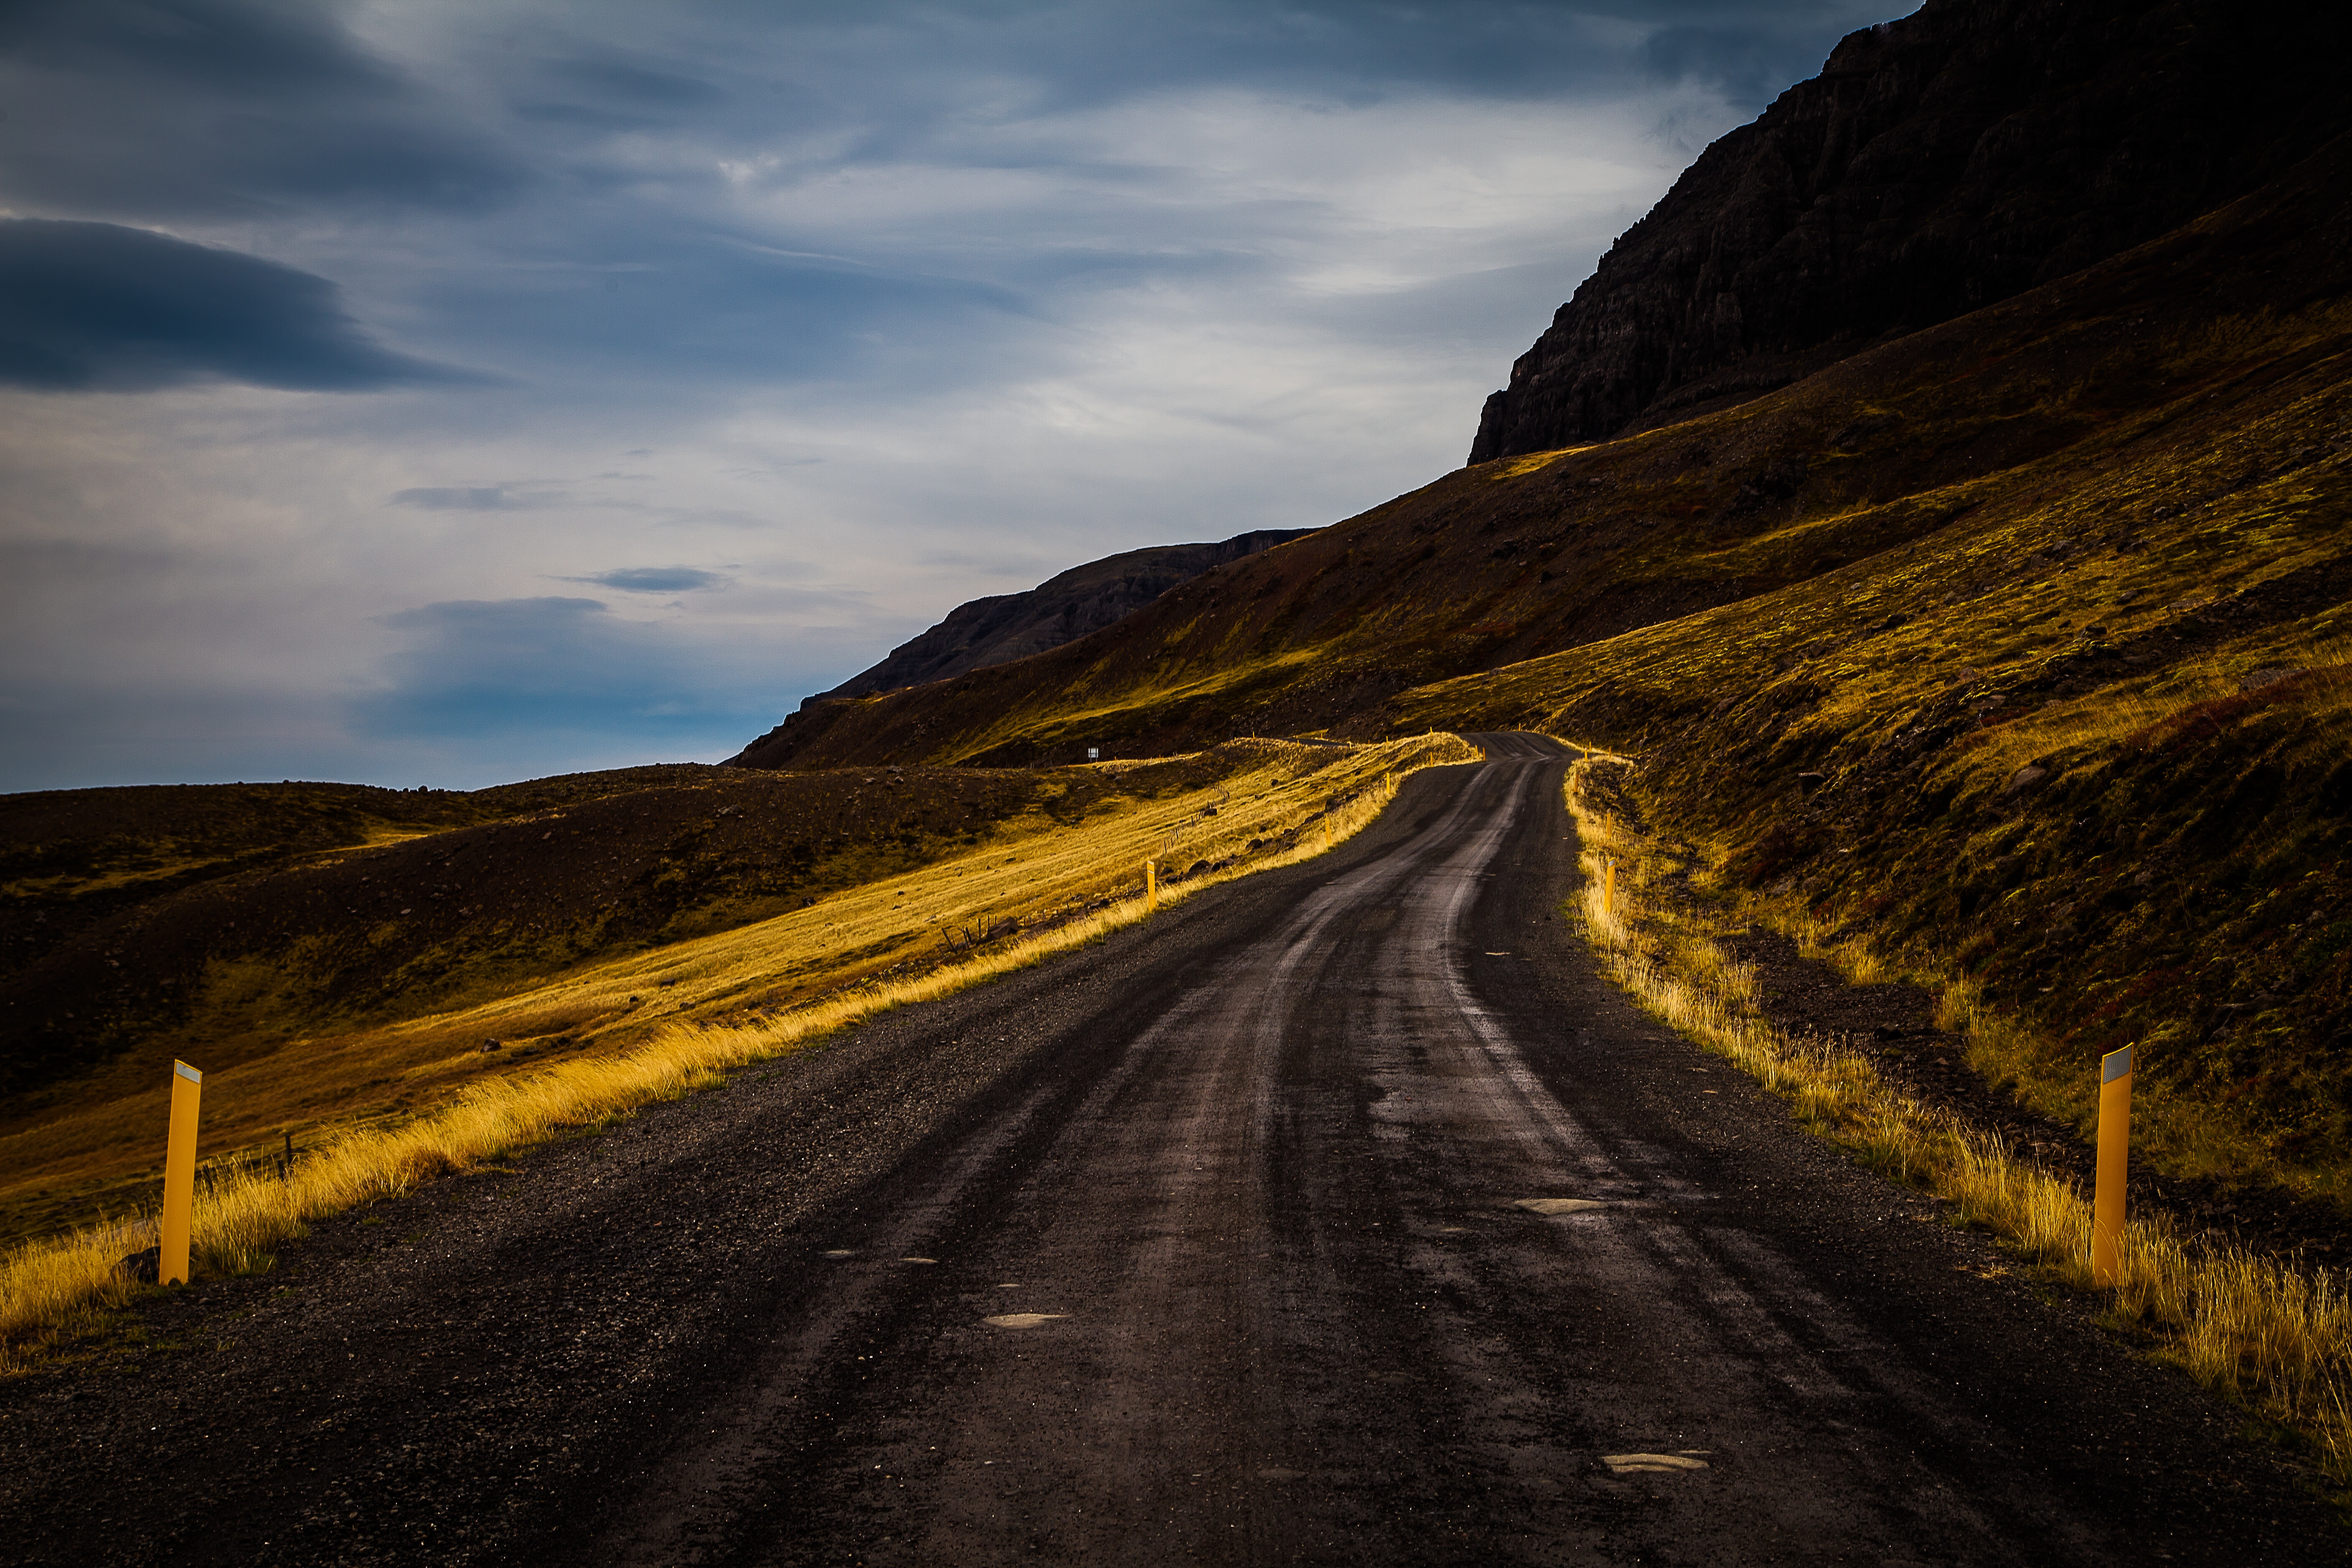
point(483, 690)
point(657, 579)
point(188, 108)
point(453, 498)
point(526, 667)
point(97, 307)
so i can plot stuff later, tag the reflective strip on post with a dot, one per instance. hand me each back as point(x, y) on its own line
point(179, 1174)
point(2114, 1161)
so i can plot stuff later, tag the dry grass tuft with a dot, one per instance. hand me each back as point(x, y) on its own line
point(55, 1289)
point(2273, 1335)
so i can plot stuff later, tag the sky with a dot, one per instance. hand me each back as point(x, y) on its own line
point(421, 392)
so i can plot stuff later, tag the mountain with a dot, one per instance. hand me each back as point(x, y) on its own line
point(1006, 627)
point(1937, 164)
point(1924, 442)
point(2015, 650)
point(2132, 113)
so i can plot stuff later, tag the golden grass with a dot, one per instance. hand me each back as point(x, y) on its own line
point(1532, 463)
point(1033, 869)
point(2275, 1336)
point(55, 1288)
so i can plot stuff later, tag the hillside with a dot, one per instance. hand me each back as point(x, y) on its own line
point(1063, 608)
point(2080, 752)
point(2001, 410)
point(1938, 163)
point(2016, 648)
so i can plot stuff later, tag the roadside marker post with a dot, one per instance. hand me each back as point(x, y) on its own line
point(179, 1174)
point(1151, 887)
point(2114, 1158)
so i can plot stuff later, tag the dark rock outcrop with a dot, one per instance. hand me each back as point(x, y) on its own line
point(1938, 163)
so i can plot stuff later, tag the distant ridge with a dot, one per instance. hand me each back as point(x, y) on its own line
point(1938, 163)
point(1062, 609)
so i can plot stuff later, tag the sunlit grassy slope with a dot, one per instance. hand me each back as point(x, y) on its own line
point(2074, 733)
point(1063, 846)
point(2017, 646)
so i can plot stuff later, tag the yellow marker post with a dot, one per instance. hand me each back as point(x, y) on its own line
point(1151, 887)
point(179, 1173)
point(2115, 1151)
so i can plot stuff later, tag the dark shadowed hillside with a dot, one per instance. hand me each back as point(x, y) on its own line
point(1938, 163)
point(230, 917)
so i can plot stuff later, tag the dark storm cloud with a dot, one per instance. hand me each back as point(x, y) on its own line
point(534, 666)
point(657, 579)
point(97, 307)
point(153, 109)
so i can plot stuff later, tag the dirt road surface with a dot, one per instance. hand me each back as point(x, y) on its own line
point(1339, 1216)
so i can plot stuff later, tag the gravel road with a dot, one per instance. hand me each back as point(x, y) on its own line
point(1340, 1215)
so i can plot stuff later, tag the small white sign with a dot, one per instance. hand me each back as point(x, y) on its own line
point(1094, 753)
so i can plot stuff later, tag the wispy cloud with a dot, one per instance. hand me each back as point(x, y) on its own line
point(472, 498)
point(546, 672)
point(657, 579)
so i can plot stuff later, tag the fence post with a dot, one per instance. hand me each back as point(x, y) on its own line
point(2115, 1161)
point(179, 1174)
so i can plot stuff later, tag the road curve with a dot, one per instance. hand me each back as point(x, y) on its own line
point(1342, 1215)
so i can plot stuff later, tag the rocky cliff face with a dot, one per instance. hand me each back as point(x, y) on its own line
point(1062, 609)
point(1938, 163)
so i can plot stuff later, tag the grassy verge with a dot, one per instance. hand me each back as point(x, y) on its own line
point(2276, 1337)
point(54, 1289)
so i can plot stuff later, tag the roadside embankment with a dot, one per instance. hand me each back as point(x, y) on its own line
point(2265, 1330)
